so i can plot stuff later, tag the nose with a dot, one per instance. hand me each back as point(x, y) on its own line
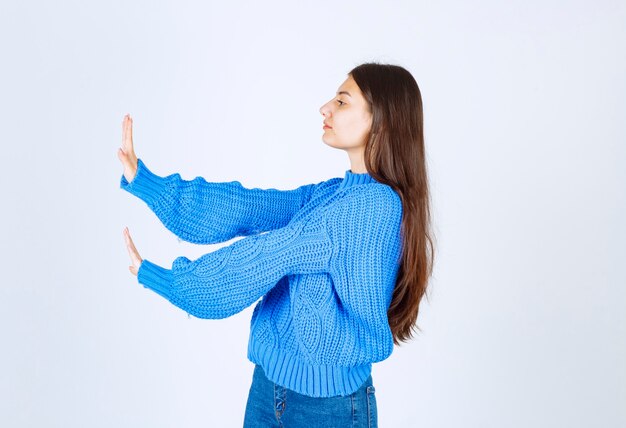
point(324, 111)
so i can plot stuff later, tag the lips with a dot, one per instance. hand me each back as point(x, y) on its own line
point(327, 125)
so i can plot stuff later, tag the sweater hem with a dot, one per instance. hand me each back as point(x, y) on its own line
point(315, 380)
point(146, 185)
point(155, 277)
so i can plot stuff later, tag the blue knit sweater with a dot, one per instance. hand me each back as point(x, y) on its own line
point(323, 257)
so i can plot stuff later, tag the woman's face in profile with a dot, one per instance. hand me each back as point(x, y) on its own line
point(348, 117)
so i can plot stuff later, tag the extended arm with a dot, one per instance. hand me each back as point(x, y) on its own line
point(224, 282)
point(204, 212)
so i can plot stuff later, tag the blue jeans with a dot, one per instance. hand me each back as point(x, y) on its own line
point(271, 405)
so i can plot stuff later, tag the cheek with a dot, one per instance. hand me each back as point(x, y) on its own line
point(351, 126)
point(360, 125)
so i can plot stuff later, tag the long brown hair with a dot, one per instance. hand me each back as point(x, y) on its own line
point(394, 155)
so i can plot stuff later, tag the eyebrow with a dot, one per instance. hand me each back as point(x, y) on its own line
point(344, 92)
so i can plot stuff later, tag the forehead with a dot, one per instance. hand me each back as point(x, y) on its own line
point(347, 85)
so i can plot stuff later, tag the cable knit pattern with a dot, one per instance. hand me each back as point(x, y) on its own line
point(323, 258)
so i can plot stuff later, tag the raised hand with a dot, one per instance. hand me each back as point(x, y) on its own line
point(135, 258)
point(126, 153)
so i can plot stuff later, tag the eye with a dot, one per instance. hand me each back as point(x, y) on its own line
point(340, 102)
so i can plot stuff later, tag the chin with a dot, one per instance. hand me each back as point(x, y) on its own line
point(329, 143)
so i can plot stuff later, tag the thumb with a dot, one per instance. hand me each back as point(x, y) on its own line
point(122, 156)
point(127, 163)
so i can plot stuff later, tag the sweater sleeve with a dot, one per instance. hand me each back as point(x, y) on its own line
point(203, 212)
point(365, 231)
point(224, 282)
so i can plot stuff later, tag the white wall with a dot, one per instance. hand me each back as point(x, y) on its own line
point(524, 118)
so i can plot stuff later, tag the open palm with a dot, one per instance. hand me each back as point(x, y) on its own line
point(126, 154)
point(135, 258)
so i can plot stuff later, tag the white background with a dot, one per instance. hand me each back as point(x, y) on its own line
point(524, 123)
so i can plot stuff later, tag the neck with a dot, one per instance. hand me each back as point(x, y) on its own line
point(357, 161)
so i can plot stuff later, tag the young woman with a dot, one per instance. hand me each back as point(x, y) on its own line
point(341, 265)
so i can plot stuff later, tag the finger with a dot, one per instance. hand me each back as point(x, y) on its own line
point(129, 240)
point(132, 250)
point(129, 243)
point(124, 131)
point(129, 133)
